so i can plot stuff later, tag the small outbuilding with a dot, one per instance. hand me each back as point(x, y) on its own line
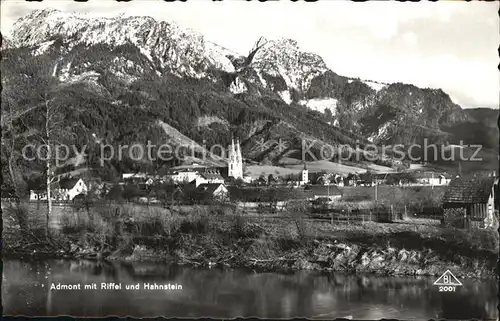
point(470, 202)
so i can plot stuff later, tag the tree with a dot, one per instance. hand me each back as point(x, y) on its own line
point(407, 177)
point(115, 193)
point(328, 115)
point(22, 121)
point(298, 210)
point(130, 191)
point(270, 179)
point(392, 180)
point(53, 126)
point(239, 182)
point(259, 44)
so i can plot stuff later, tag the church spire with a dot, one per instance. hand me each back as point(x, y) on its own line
point(232, 151)
point(238, 149)
point(235, 161)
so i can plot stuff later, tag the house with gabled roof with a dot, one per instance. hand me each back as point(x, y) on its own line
point(470, 201)
point(205, 193)
point(216, 191)
point(65, 189)
point(208, 177)
point(71, 187)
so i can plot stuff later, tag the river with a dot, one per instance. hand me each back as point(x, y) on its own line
point(228, 293)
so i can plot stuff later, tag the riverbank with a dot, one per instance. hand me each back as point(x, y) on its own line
point(204, 239)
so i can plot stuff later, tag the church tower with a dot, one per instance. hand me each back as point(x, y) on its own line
point(235, 162)
point(305, 175)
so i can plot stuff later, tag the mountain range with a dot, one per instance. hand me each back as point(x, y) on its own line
point(127, 80)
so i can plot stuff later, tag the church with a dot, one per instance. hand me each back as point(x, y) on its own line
point(235, 161)
point(234, 169)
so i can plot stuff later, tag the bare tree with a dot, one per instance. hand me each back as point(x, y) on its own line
point(257, 46)
point(22, 126)
point(298, 209)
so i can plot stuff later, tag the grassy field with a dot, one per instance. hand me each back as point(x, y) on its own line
point(294, 168)
point(327, 166)
point(393, 194)
point(355, 197)
point(206, 235)
point(421, 202)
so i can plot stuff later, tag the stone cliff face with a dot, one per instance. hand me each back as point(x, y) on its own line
point(169, 45)
point(175, 75)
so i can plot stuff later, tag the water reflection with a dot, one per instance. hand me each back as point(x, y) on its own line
point(232, 293)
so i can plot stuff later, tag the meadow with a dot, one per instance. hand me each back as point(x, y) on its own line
point(394, 194)
point(212, 235)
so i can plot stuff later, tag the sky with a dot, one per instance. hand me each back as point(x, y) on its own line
point(447, 44)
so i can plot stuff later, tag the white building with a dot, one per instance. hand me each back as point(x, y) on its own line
point(215, 191)
point(305, 175)
point(184, 176)
point(433, 179)
point(209, 177)
point(66, 190)
point(235, 162)
point(69, 188)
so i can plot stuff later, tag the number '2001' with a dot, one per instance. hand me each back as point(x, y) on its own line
point(447, 289)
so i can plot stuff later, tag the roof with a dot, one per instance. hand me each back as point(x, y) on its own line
point(203, 192)
point(171, 189)
point(185, 170)
point(211, 175)
point(382, 175)
point(134, 175)
point(193, 166)
point(209, 188)
point(68, 183)
point(429, 174)
point(323, 190)
point(467, 191)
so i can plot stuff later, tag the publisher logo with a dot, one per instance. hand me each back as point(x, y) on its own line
point(447, 282)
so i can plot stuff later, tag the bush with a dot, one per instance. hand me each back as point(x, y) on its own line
point(239, 226)
point(264, 248)
point(19, 212)
point(76, 224)
point(300, 223)
point(196, 222)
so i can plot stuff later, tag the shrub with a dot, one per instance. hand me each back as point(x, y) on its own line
point(239, 226)
point(74, 223)
point(300, 223)
point(19, 212)
point(264, 248)
point(196, 222)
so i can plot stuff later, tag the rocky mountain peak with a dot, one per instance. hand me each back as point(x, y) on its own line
point(179, 50)
point(133, 48)
point(282, 57)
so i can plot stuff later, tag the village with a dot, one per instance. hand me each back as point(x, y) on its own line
point(234, 159)
point(466, 199)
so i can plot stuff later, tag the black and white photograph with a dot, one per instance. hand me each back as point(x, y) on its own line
point(266, 159)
